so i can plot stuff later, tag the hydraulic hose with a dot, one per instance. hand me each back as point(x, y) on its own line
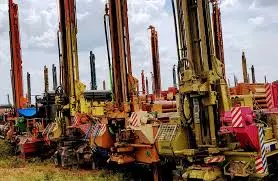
point(108, 52)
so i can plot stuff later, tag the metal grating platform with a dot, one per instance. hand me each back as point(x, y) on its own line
point(166, 132)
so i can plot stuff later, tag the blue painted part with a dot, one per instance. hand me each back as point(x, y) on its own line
point(27, 112)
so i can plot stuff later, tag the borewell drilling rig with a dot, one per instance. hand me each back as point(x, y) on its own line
point(25, 124)
point(77, 111)
point(209, 139)
point(69, 95)
point(125, 150)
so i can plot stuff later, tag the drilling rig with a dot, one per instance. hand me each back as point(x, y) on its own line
point(209, 139)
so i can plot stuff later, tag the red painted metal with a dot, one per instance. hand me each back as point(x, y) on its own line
point(240, 121)
point(16, 59)
point(275, 94)
point(156, 61)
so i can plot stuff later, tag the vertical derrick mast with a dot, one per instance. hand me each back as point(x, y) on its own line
point(54, 77)
point(124, 85)
point(143, 82)
point(202, 86)
point(217, 30)
point(69, 58)
point(174, 76)
point(156, 61)
point(93, 71)
point(253, 74)
point(244, 68)
point(46, 80)
point(29, 88)
point(147, 86)
point(16, 59)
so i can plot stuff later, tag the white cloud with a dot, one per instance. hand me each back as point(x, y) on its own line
point(256, 21)
point(81, 16)
point(39, 23)
point(46, 40)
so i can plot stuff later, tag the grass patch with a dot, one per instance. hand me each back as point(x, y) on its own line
point(16, 169)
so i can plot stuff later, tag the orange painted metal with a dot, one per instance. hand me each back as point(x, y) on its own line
point(156, 61)
point(122, 159)
point(146, 155)
point(16, 59)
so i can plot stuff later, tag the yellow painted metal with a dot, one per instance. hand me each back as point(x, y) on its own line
point(213, 150)
point(269, 154)
point(179, 141)
point(54, 131)
point(156, 108)
point(186, 152)
point(212, 125)
point(170, 147)
point(240, 153)
point(243, 100)
point(268, 134)
point(225, 100)
point(202, 173)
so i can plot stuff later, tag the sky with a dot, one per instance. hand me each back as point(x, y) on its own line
point(249, 25)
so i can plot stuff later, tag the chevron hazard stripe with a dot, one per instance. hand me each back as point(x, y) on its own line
point(262, 162)
point(259, 165)
point(237, 117)
point(269, 96)
point(215, 159)
point(134, 120)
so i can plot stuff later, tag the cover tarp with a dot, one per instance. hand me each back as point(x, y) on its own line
point(27, 112)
